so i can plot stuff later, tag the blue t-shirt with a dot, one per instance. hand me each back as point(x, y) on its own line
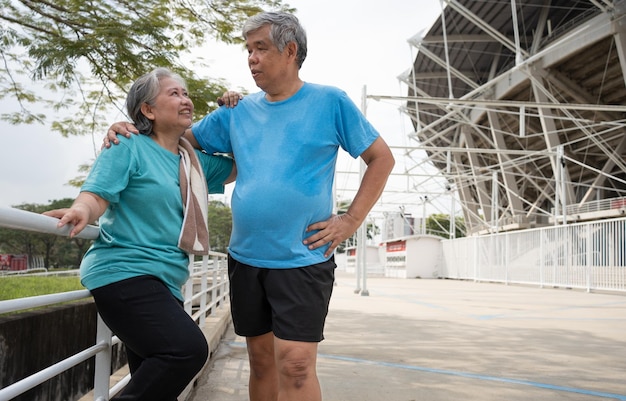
point(139, 231)
point(286, 153)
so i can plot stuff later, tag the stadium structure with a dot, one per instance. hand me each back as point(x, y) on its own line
point(519, 104)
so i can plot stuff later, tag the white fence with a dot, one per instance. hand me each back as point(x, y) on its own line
point(589, 256)
point(206, 290)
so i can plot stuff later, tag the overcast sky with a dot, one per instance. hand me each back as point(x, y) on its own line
point(351, 44)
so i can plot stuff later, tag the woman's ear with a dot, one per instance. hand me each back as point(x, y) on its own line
point(146, 110)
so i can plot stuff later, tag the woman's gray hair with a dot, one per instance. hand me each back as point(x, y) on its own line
point(144, 90)
point(284, 28)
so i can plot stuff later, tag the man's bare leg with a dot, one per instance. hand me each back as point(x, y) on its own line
point(263, 382)
point(297, 374)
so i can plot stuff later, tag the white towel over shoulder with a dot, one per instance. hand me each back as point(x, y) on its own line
point(194, 234)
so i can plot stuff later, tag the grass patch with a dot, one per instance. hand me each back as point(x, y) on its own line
point(21, 287)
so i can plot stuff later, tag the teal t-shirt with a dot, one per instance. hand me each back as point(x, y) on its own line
point(139, 231)
point(286, 153)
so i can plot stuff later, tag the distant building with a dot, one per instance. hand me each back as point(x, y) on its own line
point(398, 224)
point(373, 263)
point(13, 262)
point(417, 256)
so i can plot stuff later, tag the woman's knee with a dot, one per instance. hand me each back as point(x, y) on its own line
point(193, 351)
point(199, 351)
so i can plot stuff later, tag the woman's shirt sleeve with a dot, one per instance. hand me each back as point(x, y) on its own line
point(216, 170)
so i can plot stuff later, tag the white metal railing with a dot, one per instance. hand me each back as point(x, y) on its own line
point(206, 290)
point(589, 256)
point(596, 206)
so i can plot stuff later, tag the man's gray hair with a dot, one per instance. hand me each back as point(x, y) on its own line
point(284, 28)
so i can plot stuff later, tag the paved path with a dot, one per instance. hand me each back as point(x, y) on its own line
point(447, 340)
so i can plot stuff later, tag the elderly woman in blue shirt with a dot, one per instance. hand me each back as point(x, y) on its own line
point(150, 195)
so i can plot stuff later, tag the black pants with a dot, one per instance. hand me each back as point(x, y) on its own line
point(165, 347)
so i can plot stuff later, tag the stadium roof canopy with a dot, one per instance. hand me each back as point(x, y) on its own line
point(524, 112)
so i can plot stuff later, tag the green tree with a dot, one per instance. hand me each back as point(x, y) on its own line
point(220, 226)
point(439, 224)
point(57, 251)
point(84, 54)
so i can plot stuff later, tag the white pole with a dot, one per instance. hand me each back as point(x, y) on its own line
point(363, 229)
point(494, 201)
point(561, 160)
point(557, 193)
point(445, 46)
point(452, 216)
point(518, 49)
point(424, 214)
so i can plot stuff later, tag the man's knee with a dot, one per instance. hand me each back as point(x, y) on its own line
point(297, 370)
point(261, 354)
point(297, 360)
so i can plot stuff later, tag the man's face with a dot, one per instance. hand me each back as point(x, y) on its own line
point(267, 65)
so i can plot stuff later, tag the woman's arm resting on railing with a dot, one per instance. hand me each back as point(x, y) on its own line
point(87, 208)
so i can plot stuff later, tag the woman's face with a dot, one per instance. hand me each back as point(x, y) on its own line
point(172, 109)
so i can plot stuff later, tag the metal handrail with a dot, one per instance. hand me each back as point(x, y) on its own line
point(207, 297)
point(14, 305)
point(28, 221)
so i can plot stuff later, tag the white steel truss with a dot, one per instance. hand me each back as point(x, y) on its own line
point(521, 106)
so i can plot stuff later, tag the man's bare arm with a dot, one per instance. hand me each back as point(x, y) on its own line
point(337, 229)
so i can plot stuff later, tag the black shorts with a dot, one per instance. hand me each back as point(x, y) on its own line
point(291, 303)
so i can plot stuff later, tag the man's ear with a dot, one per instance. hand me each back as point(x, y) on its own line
point(292, 50)
point(146, 110)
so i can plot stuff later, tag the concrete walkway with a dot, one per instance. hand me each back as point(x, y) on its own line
point(447, 340)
